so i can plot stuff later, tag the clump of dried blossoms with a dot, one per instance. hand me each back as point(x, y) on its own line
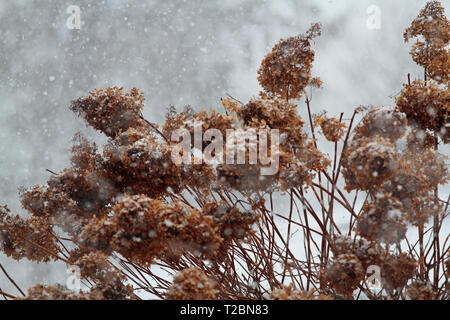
point(427, 103)
point(191, 284)
point(127, 214)
point(332, 128)
point(431, 28)
point(286, 71)
point(289, 293)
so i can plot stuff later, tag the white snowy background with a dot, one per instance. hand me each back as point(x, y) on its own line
point(178, 52)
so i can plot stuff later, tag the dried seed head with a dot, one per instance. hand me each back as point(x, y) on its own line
point(286, 71)
point(191, 284)
point(332, 128)
point(432, 29)
point(110, 110)
point(385, 122)
point(369, 162)
point(290, 293)
point(427, 106)
point(383, 220)
point(343, 274)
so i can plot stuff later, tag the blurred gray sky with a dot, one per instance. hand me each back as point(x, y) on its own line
point(178, 52)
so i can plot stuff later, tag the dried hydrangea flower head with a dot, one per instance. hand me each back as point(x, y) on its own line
point(397, 270)
point(427, 103)
point(138, 163)
point(419, 140)
point(368, 252)
point(110, 110)
point(286, 71)
point(24, 238)
point(420, 290)
point(383, 220)
point(343, 274)
point(141, 228)
point(56, 292)
point(60, 292)
point(290, 293)
point(232, 222)
point(273, 112)
point(386, 122)
point(427, 106)
point(369, 162)
point(414, 182)
point(432, 29)
point(110, 283)
point(371, 156)
point(299, 158)
point(215, 170)
point(332, 128)
point(191, 284)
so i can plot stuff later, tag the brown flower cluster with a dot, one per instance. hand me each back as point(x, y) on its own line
point(290, 293)
point(396, 270)
point(55, 292)
point(427, 106)
point(110, 110)
point(137, 163)
point(60, 292)
point(286, 71)
point(419, 140)
point(332, 128)
point(232, 222)
point(420, 290)
point(414, 182)
point(142, 228)
point(371, 156)
point(432, 30)
point(94, 266)
point(344, 274)
point(26, 238)
point(374, 161)
point(368, 252)
point(401, 183)
point(215, 171)
point(299, 157)
point(385, 122)
point(191, 284)
point(427, 103)
point(382, 220)
point(369, 162)
point(110, 202)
